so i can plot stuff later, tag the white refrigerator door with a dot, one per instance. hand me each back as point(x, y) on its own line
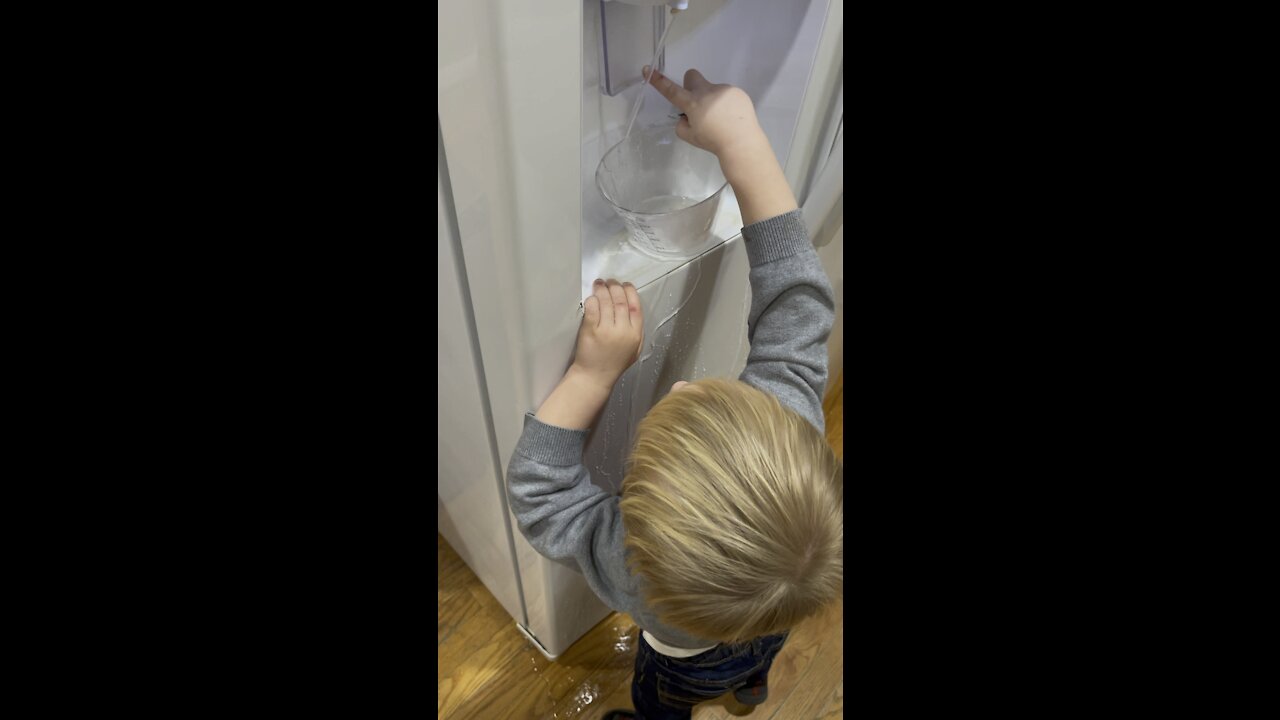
point(471, 507)
point(508, 99)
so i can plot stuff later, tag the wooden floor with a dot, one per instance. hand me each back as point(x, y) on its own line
point(487, 670)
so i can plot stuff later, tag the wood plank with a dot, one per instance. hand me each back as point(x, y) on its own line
point(622, 634)
point(834, 709)
point(619, 698)
point(833, 409)
point(489, 664)
point(464, 626)
point(605, 655)
point(820, 678)
point(467, 616)
point(452, 574)
point(476, 638)
point(587, 699)
point(455, 614)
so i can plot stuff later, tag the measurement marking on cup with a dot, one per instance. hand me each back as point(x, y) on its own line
point(641, 228)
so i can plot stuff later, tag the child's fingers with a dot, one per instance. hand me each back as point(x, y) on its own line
point(633, 305)
point(601, 293)
point(694, 80)
point(619, 298)
point(684, 131)
point(591, 316)
point(678, 96)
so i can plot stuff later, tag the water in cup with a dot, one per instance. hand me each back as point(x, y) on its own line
point(665, 190)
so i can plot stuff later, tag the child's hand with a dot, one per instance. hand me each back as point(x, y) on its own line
point(609, 341)
point(611, 333)
point(717, 118)
point(721, 120)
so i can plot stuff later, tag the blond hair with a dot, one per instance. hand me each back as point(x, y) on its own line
point(734, 513)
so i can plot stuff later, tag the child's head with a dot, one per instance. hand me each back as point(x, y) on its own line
point(734, 512)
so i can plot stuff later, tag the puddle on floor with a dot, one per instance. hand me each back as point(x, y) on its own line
point(585, 692)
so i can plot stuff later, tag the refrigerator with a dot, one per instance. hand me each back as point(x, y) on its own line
point(530, 96)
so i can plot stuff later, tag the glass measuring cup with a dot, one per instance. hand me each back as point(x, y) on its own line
point(665, 190)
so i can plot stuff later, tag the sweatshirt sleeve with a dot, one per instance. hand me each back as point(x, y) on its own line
point(558, 509)
point(792, 312)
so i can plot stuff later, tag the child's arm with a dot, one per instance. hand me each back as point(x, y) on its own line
point(792, 306)
point(558, 509)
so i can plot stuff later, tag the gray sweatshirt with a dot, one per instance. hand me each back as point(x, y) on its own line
point(568, 518)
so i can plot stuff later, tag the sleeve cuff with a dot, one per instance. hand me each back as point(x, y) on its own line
point(778, 237)
point(550, 445)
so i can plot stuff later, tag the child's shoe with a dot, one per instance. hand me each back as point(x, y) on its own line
point(753, 694)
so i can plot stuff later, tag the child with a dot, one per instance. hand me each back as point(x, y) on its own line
point(730, 526)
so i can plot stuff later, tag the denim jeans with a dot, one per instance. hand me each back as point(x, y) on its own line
point(667, 688)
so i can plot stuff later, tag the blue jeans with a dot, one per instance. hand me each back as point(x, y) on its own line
point(667, 688)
